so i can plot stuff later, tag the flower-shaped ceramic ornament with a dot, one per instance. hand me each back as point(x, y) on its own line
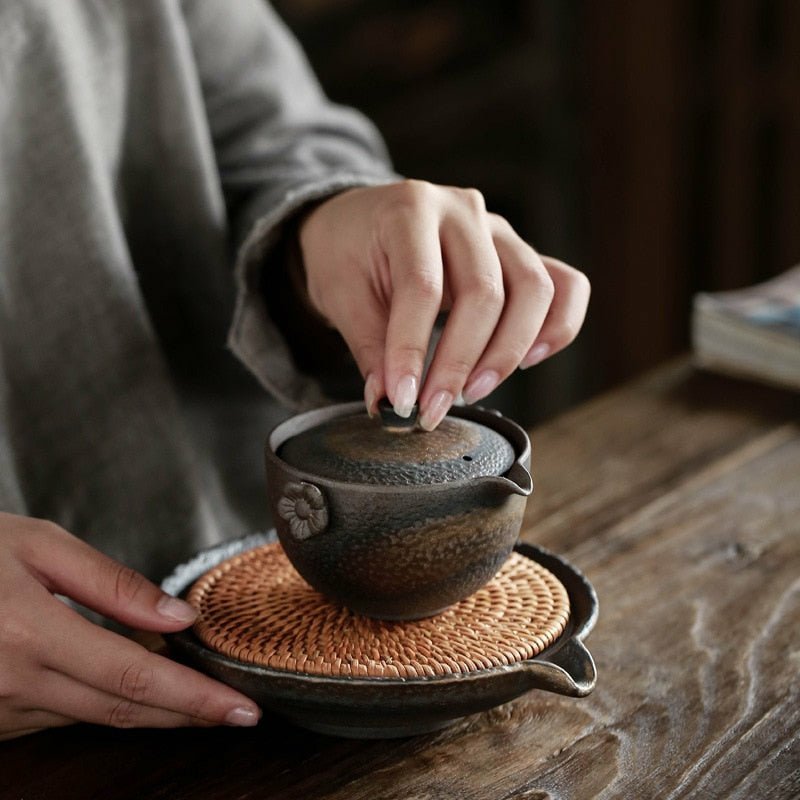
point(303, 507)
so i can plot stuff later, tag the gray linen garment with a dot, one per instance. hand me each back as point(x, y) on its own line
point(143, 144)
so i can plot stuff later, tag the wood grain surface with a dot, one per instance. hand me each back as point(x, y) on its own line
point(679, 496)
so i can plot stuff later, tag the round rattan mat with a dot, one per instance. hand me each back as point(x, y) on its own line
point(256, 608)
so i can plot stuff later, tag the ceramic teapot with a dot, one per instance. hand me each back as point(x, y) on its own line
point(392, 521)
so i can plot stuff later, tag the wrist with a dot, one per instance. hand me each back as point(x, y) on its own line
point(316, 347)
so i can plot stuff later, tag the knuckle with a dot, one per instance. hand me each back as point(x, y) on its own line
point(412, 193)
point(128, 584)
point(486, 291)
point(507, 359)
point(500, 224)
point(202, 707)
point(576, 280)
point(122, 714)
point(363, 352)
point(412, 354)
point(369, 342)
point(15, 635)
point(563, 332)
point(368, 350)
point(15, 676)
point(419, 189)
point(426, 284)
point(8, 689)
point(319, 300)
point(454, 372)
point(539, 283)
point(135, 682)
point(37, 533)
point(473, 199)
point(582, 282)
point(46, 527)
point(33, 537)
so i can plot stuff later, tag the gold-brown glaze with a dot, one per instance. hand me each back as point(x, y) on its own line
point(357, 449)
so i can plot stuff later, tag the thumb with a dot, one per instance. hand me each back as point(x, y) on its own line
point(66, 565)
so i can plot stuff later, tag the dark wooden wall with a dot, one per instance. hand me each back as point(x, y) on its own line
point(654, 144)
point(692, 160)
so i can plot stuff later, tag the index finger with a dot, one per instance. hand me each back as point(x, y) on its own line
point(116, 665)
point(65, 564)
point(415, 265)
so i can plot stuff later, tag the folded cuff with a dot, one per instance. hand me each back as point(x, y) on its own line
point(254, 337)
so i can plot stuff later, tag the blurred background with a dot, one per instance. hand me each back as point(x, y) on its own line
point(656, 145)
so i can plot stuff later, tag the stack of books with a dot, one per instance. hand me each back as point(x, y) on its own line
point(751, 333)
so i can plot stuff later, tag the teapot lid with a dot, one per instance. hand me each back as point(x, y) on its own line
point(392, 451)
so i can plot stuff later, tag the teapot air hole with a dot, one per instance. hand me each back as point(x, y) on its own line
point(467, 458)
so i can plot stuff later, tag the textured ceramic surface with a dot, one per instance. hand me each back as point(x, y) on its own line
point(385, 708)
point(357, 449)
point(404, 550)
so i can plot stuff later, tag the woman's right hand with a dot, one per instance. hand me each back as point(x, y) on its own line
point(57, 668)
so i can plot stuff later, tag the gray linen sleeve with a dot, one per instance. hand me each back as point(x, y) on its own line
point(280, 144)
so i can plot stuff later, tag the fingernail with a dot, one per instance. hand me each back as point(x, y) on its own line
point(243, 717)
point(405, 395)
point(435, 410)
point(485, 383)
point(537, 353)
point(371, 395)
point(175, 610)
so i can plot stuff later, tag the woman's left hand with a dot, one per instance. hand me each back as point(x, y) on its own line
point(382, 262)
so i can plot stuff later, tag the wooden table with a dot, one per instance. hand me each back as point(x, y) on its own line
point(679, 496)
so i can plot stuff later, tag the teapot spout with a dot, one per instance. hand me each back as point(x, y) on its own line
point(521, 478)
point(516, 481)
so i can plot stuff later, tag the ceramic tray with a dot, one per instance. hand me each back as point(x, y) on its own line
point(386, 707)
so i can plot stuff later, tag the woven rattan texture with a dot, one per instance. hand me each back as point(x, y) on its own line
point(257, 609)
